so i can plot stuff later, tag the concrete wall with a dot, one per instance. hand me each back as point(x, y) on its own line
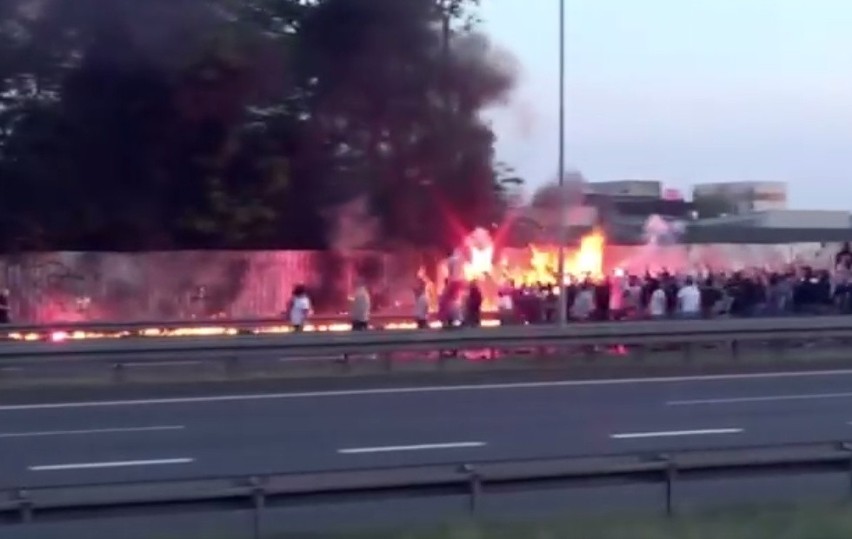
point(630, 188)
point(805, 219)
point(54, 287)
point(746, 196)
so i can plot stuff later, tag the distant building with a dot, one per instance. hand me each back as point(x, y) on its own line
point(624, 207)
point(782, 219)
point(626, 188)
point(715, 199)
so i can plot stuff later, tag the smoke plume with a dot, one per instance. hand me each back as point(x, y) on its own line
point(352, 226)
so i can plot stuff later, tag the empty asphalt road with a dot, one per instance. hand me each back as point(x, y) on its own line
point(182, 437)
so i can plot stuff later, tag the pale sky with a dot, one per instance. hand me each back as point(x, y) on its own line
point(684, 91)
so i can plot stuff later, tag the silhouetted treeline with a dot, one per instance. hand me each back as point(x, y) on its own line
point(162, 124)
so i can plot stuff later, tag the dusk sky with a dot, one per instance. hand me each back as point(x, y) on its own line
point(684, 92)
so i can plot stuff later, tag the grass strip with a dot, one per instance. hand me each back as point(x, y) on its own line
point(775, 523)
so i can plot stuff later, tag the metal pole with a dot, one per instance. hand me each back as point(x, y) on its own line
point(445, 63)
point(563, 217)
point(258, 503)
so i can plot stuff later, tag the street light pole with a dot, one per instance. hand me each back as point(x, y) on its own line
point(563, 214)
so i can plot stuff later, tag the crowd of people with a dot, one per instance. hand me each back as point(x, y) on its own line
point(663, 296)
point(758, 292)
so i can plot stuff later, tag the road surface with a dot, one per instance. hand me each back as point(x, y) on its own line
point(182, 437)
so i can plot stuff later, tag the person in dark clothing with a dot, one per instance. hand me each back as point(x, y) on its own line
point(844, 256)
point(5, 307)
point(806, 294)
point(526, 303)
point(748, 296)
point(842, 298)
point(710, 297)
point(671, 289)
point(648, 287)
point(775, 295)
point(473, 310)
point(759, 296)
point(570, 295)
point(550, 304)
point(602, 297)
point(447, 305)
point(823, 293)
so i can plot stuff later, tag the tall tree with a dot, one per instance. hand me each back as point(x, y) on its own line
point(225, 123)
point(397, 102)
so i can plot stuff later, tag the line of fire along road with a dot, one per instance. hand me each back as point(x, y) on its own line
point(478, 290)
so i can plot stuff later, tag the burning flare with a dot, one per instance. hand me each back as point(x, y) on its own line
point(538, 265)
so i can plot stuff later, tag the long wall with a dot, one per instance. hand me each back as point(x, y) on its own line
point(70, 286)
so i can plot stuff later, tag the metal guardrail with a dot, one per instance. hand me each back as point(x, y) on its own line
point(346, 351)
point(475, 480)
point(674, 332)
point(377, 352)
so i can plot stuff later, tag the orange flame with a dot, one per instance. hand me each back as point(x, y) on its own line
point(587, 261)
point(542, 264)
point(481, 262)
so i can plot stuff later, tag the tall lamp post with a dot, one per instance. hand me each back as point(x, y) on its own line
point(563, 214)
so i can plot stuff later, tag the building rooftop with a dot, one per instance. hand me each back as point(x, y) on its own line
point(782, 218)
point(761, 235)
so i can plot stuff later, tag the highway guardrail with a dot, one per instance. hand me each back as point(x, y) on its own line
point(731, 336)
point(580, 334)
point(474, 479)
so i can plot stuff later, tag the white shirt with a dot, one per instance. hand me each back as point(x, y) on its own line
point(300, 309)
point(657, 305)
point(359, 310)
point(504, 303)
point(689, 299)
point(421, 307)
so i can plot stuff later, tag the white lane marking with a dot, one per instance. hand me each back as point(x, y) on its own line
point(90, 431)
point(421, 447)
point(768, 398)
point(114, 464)
point(298, 359)
point(426, 389)
point(673, 433)
point(163, 364)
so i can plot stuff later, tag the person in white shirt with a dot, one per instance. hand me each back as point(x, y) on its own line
point(689, 300)
point(300, 308)
point(359, 309)
point(632, 298)
point(505, 306)
point(657, 303)
point(584, 303)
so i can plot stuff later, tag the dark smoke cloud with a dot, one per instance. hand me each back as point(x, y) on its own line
point(484, 72)
point(553, 196)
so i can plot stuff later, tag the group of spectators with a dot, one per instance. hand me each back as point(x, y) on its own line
point(796, 291)
point(663, 296)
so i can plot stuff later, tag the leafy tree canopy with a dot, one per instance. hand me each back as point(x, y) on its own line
point(130, 125)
